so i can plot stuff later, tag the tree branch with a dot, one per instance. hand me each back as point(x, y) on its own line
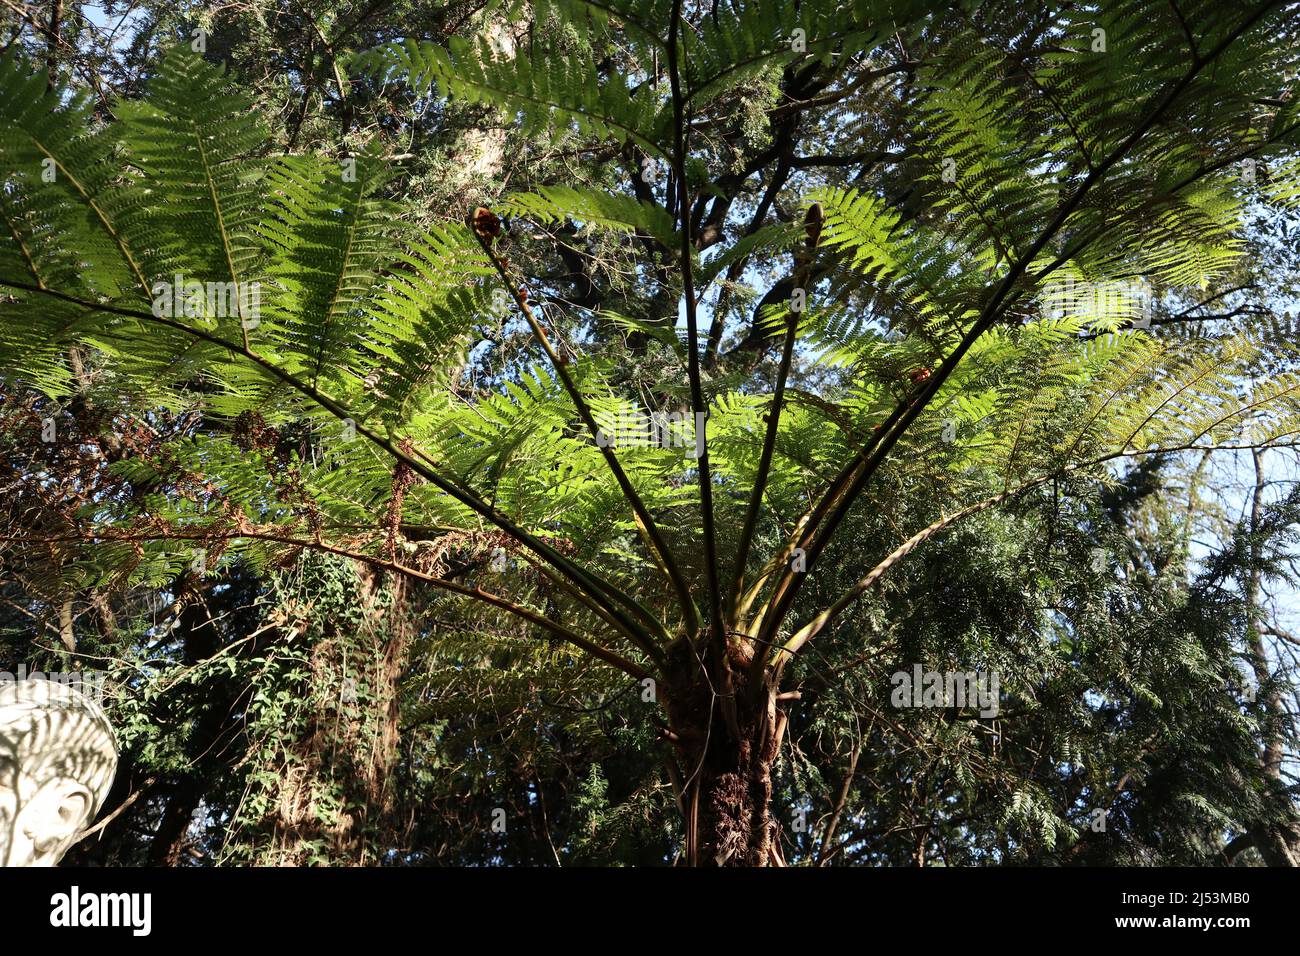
point(599, 589)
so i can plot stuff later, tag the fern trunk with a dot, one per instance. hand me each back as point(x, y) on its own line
point(727, 740)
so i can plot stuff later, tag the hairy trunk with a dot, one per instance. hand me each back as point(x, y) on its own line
point(727, 735)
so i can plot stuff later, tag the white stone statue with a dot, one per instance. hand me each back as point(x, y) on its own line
point(57, 759)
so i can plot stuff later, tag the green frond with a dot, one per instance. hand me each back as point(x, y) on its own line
point(547, 90)
point(593, 209)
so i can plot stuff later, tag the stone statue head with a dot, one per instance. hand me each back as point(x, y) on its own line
point(57, 759)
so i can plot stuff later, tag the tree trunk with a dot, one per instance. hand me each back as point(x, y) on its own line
point(346, 757)
point(727, 735)
point(1276, 840)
